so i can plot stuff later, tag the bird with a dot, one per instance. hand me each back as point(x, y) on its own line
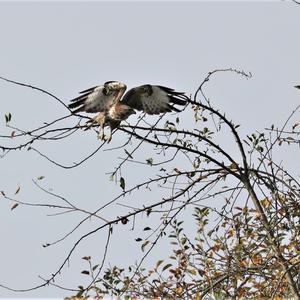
point(112, 109)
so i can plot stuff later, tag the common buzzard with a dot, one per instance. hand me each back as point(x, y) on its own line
point(107, 101)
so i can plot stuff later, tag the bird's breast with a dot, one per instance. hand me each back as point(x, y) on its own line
point(119, 112)
point(113, 112)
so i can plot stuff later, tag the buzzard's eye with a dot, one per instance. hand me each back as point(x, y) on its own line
point(105, 91)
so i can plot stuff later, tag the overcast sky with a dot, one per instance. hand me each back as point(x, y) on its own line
point(65, 47)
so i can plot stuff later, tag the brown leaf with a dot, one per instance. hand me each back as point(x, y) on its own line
point(122, 183)
point(231, 232)
point(124, 221)
point(257, 259)
point(14, 206)
point(192, 271)
point(177, 171)
point(265, 202)
point(233, 167)
point(166, 267)
point(85, 272)
point(86, 258)
point(17, 190)
point(244, 263)
point(144, 245)
point(159, 263)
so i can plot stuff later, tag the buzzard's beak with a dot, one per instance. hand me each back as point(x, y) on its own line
point(121, 92)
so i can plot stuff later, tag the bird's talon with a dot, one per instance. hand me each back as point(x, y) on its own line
point(101, 137)
point(108, 138)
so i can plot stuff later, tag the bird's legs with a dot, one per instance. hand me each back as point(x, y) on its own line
point(113, 124)
point(100, 119)
point(109, 137)
point(101, 133)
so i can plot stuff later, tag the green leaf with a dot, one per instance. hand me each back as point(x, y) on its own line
point(138, 239)
point(147, 228)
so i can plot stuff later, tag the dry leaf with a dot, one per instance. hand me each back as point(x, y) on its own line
point(17, 190)
point(14, 206)
point(265, 202)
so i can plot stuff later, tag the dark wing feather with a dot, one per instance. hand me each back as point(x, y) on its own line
point(132, 99)
point(169, 90)
point(154, 99)
point(88, 90)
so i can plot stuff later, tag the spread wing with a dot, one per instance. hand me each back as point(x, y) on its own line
point(154, 99)
point(98, 98)
point(91, 100)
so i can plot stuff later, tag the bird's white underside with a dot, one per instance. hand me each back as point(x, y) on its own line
point(153, 104)
point(97, 100)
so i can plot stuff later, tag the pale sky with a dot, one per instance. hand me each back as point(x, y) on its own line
point(66, 47)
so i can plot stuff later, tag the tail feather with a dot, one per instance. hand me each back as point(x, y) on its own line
point(172, 108)
point(177, 101)
point(81, 97)
point(169, 90)
point(76, 104)
point(79, 109)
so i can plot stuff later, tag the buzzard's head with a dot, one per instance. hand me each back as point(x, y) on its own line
point(114, 87)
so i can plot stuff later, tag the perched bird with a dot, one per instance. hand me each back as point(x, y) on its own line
point(112, 108)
